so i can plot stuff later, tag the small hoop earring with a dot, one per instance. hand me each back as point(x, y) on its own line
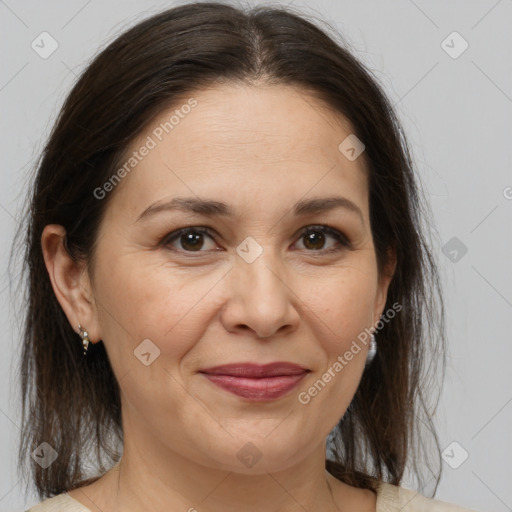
point(372, 350)
point(85, 338)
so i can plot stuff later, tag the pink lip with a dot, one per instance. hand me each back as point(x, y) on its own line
point(256, 382)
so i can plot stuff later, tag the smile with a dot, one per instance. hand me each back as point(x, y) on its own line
point(258, 383)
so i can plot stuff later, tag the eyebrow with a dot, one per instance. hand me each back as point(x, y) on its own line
point(212, 208)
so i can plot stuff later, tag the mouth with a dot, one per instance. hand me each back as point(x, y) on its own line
point(255, 382)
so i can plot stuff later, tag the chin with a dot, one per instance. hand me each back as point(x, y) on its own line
point(257, 456)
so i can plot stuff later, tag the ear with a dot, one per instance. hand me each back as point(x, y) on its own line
point(70, 282)
point(384, 281)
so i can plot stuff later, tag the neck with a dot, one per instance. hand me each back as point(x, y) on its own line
point(150, 481)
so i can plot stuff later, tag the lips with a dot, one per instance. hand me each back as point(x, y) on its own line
point(253, 370)
point(256, 382)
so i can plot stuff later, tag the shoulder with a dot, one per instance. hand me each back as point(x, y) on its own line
point(60, 503)
point(391, 498)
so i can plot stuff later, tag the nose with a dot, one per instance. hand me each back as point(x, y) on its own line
point(260, 298)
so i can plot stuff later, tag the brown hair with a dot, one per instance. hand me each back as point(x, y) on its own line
point(73, 403)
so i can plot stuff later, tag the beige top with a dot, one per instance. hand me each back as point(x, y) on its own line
point(390, 498)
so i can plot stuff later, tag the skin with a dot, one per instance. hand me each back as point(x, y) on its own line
point(259, 149)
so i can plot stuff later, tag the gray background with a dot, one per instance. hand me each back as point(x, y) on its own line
point(457, 113)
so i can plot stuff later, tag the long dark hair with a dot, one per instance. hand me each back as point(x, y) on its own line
point(73, 403)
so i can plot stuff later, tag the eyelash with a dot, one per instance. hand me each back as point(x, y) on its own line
point(342, 240)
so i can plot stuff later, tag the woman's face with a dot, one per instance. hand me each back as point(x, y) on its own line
point(245, 287)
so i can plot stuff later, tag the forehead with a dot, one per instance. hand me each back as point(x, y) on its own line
point(232, 141)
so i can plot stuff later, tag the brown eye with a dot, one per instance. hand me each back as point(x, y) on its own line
point(316, 237)
point(190, 239)
point(314, 240)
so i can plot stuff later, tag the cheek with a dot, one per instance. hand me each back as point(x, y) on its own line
point(341, 309)
point(141, 301)
point(343, 304)
point(170, 309)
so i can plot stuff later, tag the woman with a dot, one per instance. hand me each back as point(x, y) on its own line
point(225, 267)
